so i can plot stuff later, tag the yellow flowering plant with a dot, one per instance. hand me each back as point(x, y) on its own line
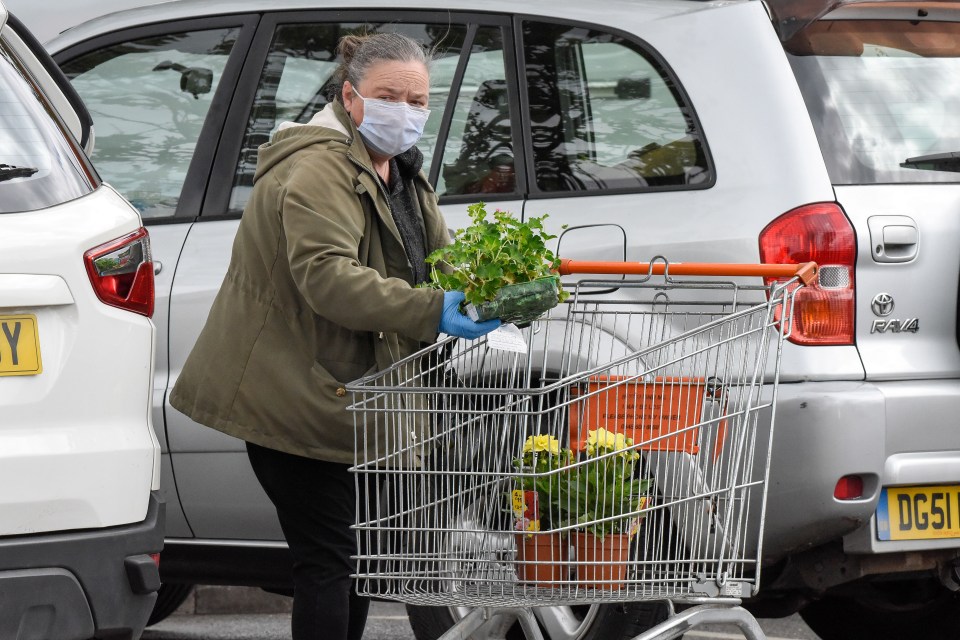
point(542, 466)
point(604, 486)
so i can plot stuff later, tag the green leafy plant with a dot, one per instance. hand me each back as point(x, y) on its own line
point(598, 493)
point(544, 466)
point(602, 493)
point(493, 253)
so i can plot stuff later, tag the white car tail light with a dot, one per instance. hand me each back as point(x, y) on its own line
point(824, 312)
point(121, 272)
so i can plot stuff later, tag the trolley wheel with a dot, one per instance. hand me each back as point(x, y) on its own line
point(584, 622)
point(169, 598)
point(899, 609)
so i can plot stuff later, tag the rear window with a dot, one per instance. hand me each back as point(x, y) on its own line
point(883, 97)
point(39, 167)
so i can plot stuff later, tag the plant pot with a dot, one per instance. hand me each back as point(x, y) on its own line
point(519, 303)
point(542, 559)
point(602, 563)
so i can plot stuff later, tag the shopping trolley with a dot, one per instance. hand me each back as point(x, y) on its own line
point(616, 449)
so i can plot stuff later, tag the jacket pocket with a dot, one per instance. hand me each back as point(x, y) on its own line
point(332, 386)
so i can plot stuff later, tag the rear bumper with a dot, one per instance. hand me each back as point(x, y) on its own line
point(74, 585)
point(889, 433)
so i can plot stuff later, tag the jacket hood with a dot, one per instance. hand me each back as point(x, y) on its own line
point(330, 125)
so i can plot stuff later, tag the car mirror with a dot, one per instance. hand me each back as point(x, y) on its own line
point(633, 88)
point(193, 80)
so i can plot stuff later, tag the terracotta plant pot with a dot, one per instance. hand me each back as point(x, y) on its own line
point(602, 564)
point(542, 559)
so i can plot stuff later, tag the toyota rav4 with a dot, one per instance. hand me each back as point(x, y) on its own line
point(726, 131)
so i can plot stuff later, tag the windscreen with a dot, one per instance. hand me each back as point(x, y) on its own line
point(39, 167)
point(884, 98)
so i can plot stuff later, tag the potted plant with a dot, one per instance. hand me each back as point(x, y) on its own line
point(503, 266)
point(605, 499)
point(538, 507)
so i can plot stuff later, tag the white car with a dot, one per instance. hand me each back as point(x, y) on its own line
point(711, 131)
point(81, 518)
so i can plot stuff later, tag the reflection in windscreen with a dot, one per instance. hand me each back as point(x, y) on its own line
point(21, 144)
point(38, 168)
point(896, 108)
point(882, 93)
point(297, 81)
point(603, 115)
point(149, 99)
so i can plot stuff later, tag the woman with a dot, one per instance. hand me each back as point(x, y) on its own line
point(320, 291)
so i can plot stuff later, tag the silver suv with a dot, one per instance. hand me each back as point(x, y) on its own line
point(729, 131)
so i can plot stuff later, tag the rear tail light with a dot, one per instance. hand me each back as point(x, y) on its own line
point(823, 312)
point(121, 272)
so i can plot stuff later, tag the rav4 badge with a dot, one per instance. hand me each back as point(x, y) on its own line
point(882, 305)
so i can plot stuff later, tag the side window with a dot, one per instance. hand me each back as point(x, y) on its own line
point(149, 98)
point(604, 115)
point(478, 153)
point(297, 82)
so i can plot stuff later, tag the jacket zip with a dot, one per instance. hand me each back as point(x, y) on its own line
point(395, 356)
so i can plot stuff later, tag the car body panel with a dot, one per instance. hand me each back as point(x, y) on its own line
point(46, 24)
point(866, 422)
point(165, 240)
point(216, 480)
point(924, 288)
point(620, 12)
point(200, 272)
point(91, 466)
point(176, 525)
point(801, 509)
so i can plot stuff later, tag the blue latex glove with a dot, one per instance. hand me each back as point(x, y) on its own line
point(454, 323)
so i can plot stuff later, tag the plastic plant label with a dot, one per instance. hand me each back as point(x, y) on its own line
point(526, 511)
point(507, 337)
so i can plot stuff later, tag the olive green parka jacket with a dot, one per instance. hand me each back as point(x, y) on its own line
point(318, 293)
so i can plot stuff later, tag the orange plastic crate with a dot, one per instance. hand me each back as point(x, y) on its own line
point(646, 412)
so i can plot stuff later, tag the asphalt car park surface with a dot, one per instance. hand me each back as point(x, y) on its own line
point(388, 621)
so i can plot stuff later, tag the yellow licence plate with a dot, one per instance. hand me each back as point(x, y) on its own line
point(919, 513)
point(19, 346)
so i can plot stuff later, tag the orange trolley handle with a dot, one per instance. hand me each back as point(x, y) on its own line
point(806, 272)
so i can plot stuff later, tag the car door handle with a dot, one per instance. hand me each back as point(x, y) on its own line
point(893, 238)
point(899, 235)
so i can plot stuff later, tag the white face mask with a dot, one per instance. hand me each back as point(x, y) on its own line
point(390, 128)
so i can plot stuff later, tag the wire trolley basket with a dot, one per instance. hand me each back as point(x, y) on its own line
point(617, 449)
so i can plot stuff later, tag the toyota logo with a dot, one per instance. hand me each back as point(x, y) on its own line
point(882, 304)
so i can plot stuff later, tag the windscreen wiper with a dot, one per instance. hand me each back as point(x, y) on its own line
point(9, 171)
point(949, 161)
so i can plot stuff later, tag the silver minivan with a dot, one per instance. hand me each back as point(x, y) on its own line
point(728, 131)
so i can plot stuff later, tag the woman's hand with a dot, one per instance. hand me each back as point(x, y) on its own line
point(454, 323)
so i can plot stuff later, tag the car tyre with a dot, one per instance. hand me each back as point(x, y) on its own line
point(901, 609)
point(169, 598)
point(609, 621)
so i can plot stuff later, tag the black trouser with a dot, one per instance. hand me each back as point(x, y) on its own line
point(316, 503)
